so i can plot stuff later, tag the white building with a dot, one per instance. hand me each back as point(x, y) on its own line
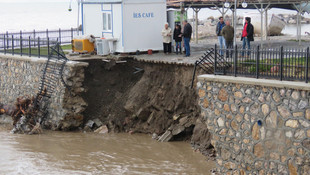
point(135, 24)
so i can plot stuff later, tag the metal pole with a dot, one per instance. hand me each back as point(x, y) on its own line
point(299, 28)
point(29, 54)
point(21, 45)
point(266, 24)
point(34, 36)
point(196, 22)
point(193, 23)
point(78, 19)
point(59, 36)
point(39, 52)
point(215, 59)
point(181, 20)
point(235, 23)
point(4, 44)
point(261, 25)
point(257, 63)
point(7, 39)
point(12, 44)
point(194, 75)
point(281, 63)
point(235, 61)
point(299, 11)
point(307, 66)
point(48, 47)
point(297, 32)
point(71, 33)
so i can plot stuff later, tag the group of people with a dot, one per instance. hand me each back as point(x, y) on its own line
point(224, 31)
point(179, 35)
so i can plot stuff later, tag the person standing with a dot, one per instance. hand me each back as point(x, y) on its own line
point(228, 34)
point(177, 36)
point(247, 35)
point(167, 33)
point(187, 34)
point(219, 28)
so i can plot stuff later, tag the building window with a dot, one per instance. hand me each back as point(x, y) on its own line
point(107, 21)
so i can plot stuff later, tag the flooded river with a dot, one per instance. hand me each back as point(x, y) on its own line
point(80, 153)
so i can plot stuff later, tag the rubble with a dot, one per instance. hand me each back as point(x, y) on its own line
point(24, 115)
point(181, 128)
point(102, 130)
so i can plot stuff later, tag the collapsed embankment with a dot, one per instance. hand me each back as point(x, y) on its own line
point(144, 97)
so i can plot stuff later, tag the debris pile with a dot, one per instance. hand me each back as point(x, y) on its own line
point(24, 115)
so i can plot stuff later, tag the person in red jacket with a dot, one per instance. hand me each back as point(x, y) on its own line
point(247, 35)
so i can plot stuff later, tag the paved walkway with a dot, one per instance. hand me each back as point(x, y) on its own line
point(197, 50)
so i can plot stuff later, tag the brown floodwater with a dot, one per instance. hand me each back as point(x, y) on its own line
point(89, 153)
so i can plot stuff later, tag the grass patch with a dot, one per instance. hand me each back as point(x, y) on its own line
point(267, 64)
point(35, 50)
point(67, 47)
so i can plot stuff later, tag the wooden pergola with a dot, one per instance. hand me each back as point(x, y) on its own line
point(224, 5)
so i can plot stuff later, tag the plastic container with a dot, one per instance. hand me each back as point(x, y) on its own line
point(150, 52)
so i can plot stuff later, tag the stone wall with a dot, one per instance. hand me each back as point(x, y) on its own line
point(257, 126)
point(20, 76)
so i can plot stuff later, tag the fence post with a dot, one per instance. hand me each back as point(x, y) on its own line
point(257, 62)
point(20, 33)
point(59, 36)
point(29, 54)
point(48, 47)
point(12, 44)
point(215, 59)
point(21, 45)
point(4, 43)
point(281, 63)
point(235, 60)
point(46, 33)
point(307, 65)
point(34, 37)
point(7, 39)
point(39, 47)
point(71, 33)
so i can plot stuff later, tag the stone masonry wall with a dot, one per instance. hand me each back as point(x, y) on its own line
point(20, 76)
point(258, 126)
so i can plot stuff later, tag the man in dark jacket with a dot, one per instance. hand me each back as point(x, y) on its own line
point(219, 28)
point(228, 34)
point(187, 34)
point(247, 35)
point(177, 36)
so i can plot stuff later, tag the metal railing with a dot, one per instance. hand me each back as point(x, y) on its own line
point(26, 46)
point(63, 36)
point(290, 64)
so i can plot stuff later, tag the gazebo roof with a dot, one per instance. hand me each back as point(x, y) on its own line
point(285, 4)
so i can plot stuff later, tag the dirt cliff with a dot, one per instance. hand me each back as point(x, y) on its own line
point(146, 98)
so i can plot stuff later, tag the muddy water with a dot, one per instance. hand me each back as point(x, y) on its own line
point(79, 153)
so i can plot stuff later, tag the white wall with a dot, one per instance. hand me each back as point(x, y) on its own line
point(136, 24)
point(92, 20)
point(144, 32)
point(118, 27)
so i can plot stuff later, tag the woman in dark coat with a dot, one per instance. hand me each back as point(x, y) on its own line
point(247, 35)
point(177, 36)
